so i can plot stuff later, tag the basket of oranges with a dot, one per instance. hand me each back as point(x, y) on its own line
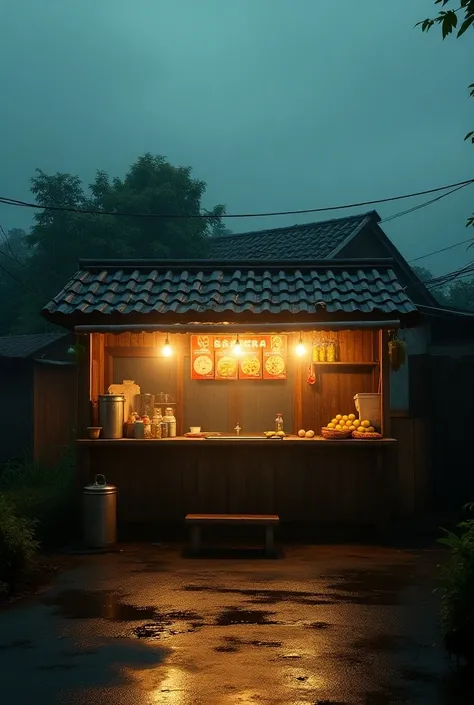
point(341, 426)
point(346, 425)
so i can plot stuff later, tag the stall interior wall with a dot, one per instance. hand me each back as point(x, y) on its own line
point(219, 405)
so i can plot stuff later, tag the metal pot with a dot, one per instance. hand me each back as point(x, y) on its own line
point(111, 408)
point(100, 513)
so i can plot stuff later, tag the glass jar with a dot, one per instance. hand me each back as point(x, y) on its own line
point(279, 422)
point(322, 353)
point(331, 351)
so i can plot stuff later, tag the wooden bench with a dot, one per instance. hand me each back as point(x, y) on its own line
point(196, 521)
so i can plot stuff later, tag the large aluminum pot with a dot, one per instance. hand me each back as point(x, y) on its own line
point(111, 415)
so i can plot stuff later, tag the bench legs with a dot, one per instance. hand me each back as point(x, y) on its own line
point(196, 539)
point(269, 540)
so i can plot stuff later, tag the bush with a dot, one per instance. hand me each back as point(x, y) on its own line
point(17, 545)
point(457, 590)
point(45, 494)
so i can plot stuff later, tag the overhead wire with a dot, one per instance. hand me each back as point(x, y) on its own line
point(435, 281)
point(89, 211)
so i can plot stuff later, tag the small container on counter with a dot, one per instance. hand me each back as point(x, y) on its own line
point(156, 424)
point(139, 428)
point(279, 422)
point(146, 427)
point(164, 429)
point(322, 352)
point(170, 419)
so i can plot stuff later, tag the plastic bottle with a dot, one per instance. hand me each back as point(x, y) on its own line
point(170, 419)
point(279, 422)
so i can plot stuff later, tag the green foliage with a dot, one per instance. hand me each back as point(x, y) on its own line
point(458, 294)
point(17, 545)
point(46, 494)
point(58, 238)
point(457, 579)
point(459, 15)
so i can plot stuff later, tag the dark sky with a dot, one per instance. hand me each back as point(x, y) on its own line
point(276, 104)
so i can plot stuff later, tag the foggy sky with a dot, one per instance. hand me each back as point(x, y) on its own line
point(276, 104)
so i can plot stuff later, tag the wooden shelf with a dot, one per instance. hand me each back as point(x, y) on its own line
point(348, 364)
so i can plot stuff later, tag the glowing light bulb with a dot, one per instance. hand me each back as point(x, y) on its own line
point(237, 347)
point(300, 348)
point(167, 349)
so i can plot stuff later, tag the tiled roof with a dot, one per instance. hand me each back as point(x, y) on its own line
point(176, 287)
point(309, 241)
point(23, 346)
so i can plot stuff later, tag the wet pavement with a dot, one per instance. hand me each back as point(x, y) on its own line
point(332, 625)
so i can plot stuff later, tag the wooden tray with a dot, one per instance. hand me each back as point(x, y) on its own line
point(332, 434)
point(366, 436)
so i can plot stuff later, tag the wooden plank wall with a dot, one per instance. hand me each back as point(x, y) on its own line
point(336, 386)
point(219, 405)
point(55, 410)
point(415, 479)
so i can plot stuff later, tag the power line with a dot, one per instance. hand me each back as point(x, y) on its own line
point(86, 211)
point(423, 205)
point(26, 286)
point(443, 249)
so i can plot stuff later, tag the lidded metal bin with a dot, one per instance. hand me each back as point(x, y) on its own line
point(100, 513)
point(111, 419)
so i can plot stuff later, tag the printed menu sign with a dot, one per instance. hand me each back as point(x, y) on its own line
point(226, 364)
point(261, 357)
point(202, 357)
point(274, 357)
point(250, 360)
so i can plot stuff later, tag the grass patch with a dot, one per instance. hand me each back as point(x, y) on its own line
point(45, 494)
point(18, 546)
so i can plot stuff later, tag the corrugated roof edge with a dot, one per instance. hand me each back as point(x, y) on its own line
point(370, 215)
point(199, 264)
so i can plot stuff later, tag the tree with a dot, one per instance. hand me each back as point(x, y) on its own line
point(457, 294)
point(13, 274)
point(152, 187)
point(457, 15)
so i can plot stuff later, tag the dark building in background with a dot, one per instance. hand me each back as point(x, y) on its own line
point(38, 393)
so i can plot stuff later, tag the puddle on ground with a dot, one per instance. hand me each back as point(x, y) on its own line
point(264, 596)
point(232, 644)
point(318, 625)
point(352, 589)
point(371, 587)
point(167, 624)
point(85, 604)
point(235, 615)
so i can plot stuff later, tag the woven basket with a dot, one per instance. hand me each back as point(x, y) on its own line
point(331, 433)
point(366, 436)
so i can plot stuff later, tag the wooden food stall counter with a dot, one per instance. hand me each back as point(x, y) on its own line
point(312, 481)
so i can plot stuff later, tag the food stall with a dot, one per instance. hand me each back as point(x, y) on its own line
point(228, 372)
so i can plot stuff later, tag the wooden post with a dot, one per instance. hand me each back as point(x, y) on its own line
point(269, 542)
point(84, 392)
point(384, 364)
point(195, 539)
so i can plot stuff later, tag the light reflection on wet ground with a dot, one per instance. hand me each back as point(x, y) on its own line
point(333, 625)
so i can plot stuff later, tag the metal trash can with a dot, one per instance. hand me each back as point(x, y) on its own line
point(100, 514)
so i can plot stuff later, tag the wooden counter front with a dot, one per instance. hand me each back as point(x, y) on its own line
point(305, 481)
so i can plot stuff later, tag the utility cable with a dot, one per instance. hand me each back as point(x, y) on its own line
point(87, 211)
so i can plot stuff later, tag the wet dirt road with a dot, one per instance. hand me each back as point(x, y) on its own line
point(333, 625)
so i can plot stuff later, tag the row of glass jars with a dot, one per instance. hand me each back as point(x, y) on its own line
point(325, 352)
